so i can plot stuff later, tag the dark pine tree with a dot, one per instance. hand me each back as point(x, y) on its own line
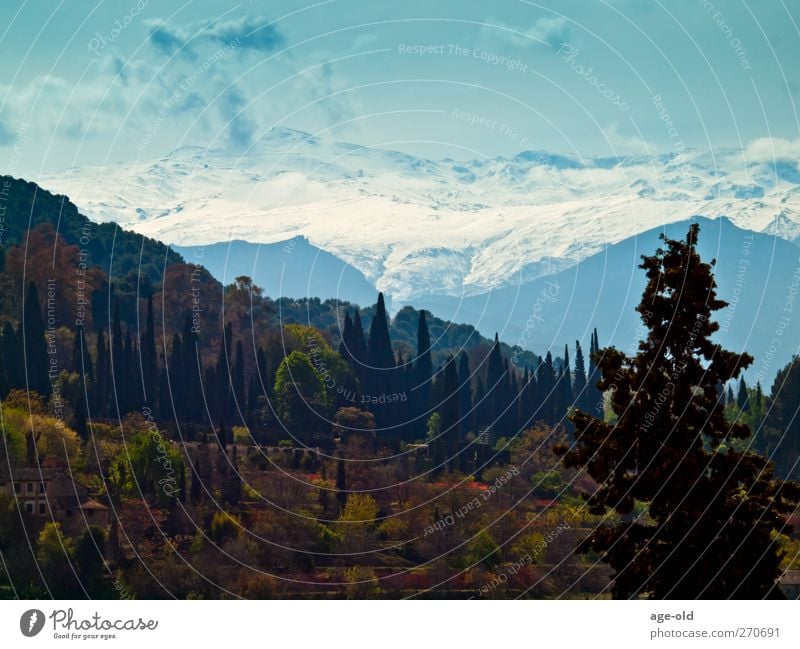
point(712, 512)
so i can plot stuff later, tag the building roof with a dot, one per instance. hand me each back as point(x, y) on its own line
point(93, 504)
point(790, 578)
point(29, 474)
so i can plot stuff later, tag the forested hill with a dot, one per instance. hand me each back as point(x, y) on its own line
point(24, 206)
point(136, 265)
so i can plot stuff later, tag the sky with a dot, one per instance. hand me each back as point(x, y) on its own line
point(85, 84)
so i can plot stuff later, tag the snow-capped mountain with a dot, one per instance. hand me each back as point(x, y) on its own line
point(415, 226)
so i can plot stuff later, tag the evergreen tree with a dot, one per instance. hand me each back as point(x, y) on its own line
point(581, 393)
point(741, 398)
point(712, 514)
point(358, 347)
point(423, 369)
point(594, 395)
point(546, 382)
point(731, 399)
point(345, 347)
point(449, 408)
point(100, 396)
point(36, 362)
point(119, 370)
point(238, 377)
point(465, 394)
point(780, 435)
point(11, 367)
point(380, 355)
point(149, 359)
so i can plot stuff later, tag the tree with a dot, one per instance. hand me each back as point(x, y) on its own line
point(780, 436)
point(301, 395)
point(581, 393)
point(465, 393)
point(149, 360)
point(711, 510)
point(423, 369)
point(742, 396)
point(36, 362)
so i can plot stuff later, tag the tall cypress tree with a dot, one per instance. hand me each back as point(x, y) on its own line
point(100, 395)
point(423, 369)
point(11, 353)
point(380, 355)
point(149, 359)
point(238, 377)
point(713, 513)
point(581, 393)
point(37, 363)
point(741, 397)
point(449, 410)
point(117, 360)
point(546, 381)
point(465, 394)
point(345, 347)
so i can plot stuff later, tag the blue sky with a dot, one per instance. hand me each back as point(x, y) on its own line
point(463, 79)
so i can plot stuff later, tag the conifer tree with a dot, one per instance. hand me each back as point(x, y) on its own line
point(546, 382)
point(581, 393)
point(449, 408)
point(741, 397)
point(465, 394)
point(149, 359)
point(36, 362)
point(100, 396)
point(712, 512)
point(423, 369)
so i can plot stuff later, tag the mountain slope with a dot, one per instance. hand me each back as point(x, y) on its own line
point(415, 226)
point(758, 274)
point(292, 268)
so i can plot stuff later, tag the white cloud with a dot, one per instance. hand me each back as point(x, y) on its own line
point(545, 32)
point(765, 149)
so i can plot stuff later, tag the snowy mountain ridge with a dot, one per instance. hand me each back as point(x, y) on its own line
point(415, 226)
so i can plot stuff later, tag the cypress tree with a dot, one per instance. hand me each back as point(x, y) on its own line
point(238, 377)
point(380, 355)
point(177, 378)
point(346, 345)
point(712, 512)
point(100, 396)
point(449, 408)
point(465, 394)
point(546, 381)
point(149, 359)
point(36, 362)
point(118, 386)
point(10, 352)
point(741, 397)
point(581, 393)
point(731, 399)
point(423, 369)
